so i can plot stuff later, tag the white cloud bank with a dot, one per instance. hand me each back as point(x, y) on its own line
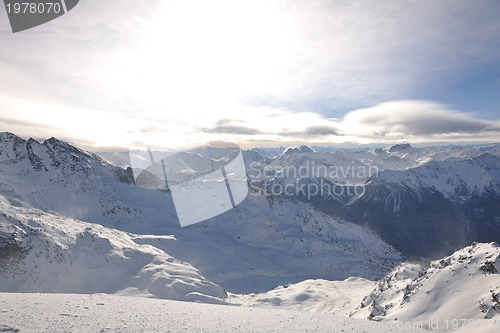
point(417, 121)
point(386, 123)
point(389, 122)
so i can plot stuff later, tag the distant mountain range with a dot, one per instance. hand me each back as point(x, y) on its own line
point(426, 202)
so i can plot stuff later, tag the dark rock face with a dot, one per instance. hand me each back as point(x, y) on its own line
point(422, 219)
point(483, 212)
point(36, 161)
point(420, 224)
point(12, 252)
point(125, 176)
point(488, 267)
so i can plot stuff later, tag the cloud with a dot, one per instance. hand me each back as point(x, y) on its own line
point(320, 131)
point(22, 123)
point(390, 122)
point(312, 132)
point(277, 125)
point(417, 120)
point(231, 126)
point(232, 129)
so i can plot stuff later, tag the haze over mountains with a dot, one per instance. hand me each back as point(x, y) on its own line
point(72, 222)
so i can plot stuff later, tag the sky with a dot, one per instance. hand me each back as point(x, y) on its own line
point(122, 74)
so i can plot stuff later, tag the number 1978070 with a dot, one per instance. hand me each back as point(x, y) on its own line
point(34, 8)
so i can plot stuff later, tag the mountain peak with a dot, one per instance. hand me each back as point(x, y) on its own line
point(8, 136)
point(301, 149)
point(399, 147)
point(55, 142)
point(305, 149)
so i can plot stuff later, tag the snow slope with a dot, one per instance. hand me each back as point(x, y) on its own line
point(103, 313)
point(460, 292)
point(339, 298)
point(465, 285)
point(46, 252)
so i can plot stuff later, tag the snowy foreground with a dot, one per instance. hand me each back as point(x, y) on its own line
point(29, 312)
point(107, 313)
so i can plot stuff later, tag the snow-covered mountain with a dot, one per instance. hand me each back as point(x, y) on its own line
point(427, 202)
point(84, 205)
point(463, 286)
point(301, 149)
point(70, 222)
point(455, 179)
point(435, 208)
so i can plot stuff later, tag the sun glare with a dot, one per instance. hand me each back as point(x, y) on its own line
point(196, 59)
